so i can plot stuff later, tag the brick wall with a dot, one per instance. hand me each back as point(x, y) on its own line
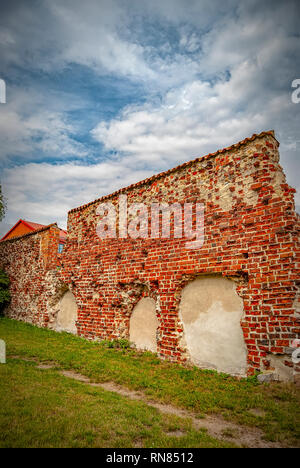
point(251, 236)
point(31, 264)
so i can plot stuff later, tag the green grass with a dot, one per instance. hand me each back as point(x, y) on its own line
point(197, 390)
point(40, 408)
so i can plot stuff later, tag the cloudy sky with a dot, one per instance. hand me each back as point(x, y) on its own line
point(101, 94)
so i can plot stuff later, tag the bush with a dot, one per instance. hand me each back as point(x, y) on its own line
point(121, 343)
point(4, 292)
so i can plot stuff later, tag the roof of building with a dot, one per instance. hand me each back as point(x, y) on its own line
point(181, 166)
point(34, 227)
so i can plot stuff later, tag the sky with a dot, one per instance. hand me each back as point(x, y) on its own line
point(101, 94)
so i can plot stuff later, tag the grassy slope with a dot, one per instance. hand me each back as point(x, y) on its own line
point(45, 409)
point(197, 390)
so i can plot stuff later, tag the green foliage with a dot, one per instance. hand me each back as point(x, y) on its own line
point(4, 292)
point(253, 379)
point(117, 344)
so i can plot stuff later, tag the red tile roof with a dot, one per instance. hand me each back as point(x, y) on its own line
point(35, 227)
point(22, 236)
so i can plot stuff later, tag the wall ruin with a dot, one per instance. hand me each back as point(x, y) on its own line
point(251, 241)
point(31, 264)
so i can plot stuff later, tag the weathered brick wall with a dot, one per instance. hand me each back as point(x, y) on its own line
point(31, 263)
point(251, 236)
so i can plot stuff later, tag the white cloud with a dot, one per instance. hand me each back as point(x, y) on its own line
point(92, 38)
point(224, 77)
point(45, 193)
point(28, 125)
point(252, 59)
point(109, 37)
point(192, 121)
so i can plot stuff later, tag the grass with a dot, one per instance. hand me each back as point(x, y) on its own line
point(40, 408)
point(272, 407)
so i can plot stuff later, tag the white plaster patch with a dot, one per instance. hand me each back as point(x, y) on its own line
point(67, 314)
point(211, 312)
point(143, 325)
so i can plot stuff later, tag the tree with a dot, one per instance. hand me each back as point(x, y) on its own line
point(2, 205)
point(4, 292)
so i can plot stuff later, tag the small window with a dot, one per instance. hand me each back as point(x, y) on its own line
point(60, 248)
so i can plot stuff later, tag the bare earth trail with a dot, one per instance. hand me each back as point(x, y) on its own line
point(215, 425)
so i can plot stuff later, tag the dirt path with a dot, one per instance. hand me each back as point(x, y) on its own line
point(215, 425)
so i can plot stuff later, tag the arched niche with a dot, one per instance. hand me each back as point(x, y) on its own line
point(143, 325)
point(211, 312)
point(67, 313)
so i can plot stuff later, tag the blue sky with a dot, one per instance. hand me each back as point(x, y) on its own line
point(101, 94)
